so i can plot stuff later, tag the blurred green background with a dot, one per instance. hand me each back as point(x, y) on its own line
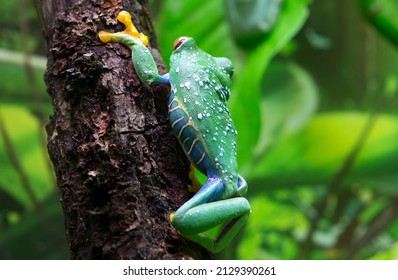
point(314, 101)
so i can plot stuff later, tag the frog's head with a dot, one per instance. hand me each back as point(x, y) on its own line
point(184, 43)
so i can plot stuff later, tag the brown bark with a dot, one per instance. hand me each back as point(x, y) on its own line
point(119, 169)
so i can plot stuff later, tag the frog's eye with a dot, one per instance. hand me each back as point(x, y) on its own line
point(179, 41)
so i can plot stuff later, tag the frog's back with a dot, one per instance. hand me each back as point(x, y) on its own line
point(199, 116)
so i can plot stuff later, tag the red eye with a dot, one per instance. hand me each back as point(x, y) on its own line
point(179, 41)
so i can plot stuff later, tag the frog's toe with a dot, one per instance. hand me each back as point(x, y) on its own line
point(124, 17)
point(104, 36)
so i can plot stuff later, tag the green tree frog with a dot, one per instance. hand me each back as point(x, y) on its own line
point(200, 86)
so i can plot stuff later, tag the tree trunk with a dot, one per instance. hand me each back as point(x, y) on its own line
point(119, 169)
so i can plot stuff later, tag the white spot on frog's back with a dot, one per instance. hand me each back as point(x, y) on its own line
point(187, 85)
point(200, 116)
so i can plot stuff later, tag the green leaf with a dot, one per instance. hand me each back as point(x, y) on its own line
point(389, 254)
point(271, 230)
point(315, 154)
point(23, 130)
point(203, 20)
point(382, 14)
point(250, 20)
point(244, 103)
point(289, 99)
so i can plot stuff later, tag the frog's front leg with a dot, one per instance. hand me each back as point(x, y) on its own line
point(143, 61)
point(205, 211)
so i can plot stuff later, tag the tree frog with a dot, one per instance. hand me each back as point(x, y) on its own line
point(200, 87)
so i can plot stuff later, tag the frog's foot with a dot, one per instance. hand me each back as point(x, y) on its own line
point(196, 185)
point(130, 30)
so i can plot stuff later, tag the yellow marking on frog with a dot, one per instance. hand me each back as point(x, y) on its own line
point(125, 18)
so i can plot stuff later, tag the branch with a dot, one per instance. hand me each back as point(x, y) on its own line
point(120, 170)
point(375, 227)
point(334, 185)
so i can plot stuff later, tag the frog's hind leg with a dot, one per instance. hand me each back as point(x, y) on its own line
point(228, 232)
point(205, 211)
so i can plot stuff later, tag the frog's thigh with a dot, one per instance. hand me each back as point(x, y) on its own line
point(209, 215)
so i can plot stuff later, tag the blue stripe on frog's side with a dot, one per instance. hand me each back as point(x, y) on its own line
point(190, 140)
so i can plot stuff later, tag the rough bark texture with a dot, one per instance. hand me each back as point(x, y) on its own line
point(119, 169)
